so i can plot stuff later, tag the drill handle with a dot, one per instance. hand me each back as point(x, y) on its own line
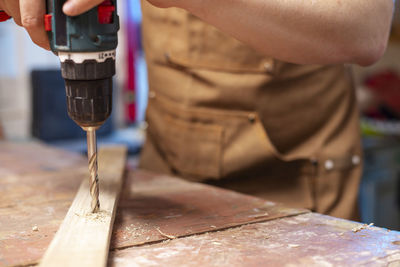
point(93, 31)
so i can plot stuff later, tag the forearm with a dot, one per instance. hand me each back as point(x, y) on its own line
point(300, 31)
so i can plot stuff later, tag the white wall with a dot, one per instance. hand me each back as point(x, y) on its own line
point(18, 57)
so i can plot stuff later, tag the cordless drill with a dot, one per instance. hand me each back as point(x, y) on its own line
point(86, 47)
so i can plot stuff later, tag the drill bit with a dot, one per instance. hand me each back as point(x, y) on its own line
point(93, 178)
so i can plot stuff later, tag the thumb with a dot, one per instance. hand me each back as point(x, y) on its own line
point(77, 7)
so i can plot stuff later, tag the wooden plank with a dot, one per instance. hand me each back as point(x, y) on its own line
point(304, 240)
point(84, 237)
point(155, 206)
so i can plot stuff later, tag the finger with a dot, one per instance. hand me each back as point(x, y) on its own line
point(12, 9)
point(77, 7)
point(32, 19)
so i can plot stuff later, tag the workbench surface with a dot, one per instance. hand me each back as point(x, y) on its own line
point(163, 220)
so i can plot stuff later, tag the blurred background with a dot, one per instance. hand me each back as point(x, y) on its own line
point(32, 106)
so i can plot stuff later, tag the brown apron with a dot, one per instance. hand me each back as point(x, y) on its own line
point(221, 113)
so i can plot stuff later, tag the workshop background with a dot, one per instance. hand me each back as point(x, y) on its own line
point(32, 106)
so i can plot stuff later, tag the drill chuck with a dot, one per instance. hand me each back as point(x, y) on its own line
point(88, 85)
point(89, 103)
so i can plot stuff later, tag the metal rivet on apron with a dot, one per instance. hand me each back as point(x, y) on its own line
point(152, 94)
point(314, 161)
point(329, 164)
point(268, 66)
point(251, 117)
point(355, 160)
point(166, 56)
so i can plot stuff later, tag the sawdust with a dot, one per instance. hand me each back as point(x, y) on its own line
point(361, 227)
point(133, 231)
point(35, 228)
point(100, 216)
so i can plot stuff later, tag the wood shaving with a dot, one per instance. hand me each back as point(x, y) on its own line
point(166, 235)
point(266, 214)
point(361, 227)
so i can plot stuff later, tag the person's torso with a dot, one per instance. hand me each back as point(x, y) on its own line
point(217, 107)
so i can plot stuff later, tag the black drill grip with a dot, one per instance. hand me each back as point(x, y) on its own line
point(89, 102)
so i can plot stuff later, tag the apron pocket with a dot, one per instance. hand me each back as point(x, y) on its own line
point(191, 148)
point(205, 143)
point(337, 185)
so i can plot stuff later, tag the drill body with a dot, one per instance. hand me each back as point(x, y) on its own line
point(86, 47)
